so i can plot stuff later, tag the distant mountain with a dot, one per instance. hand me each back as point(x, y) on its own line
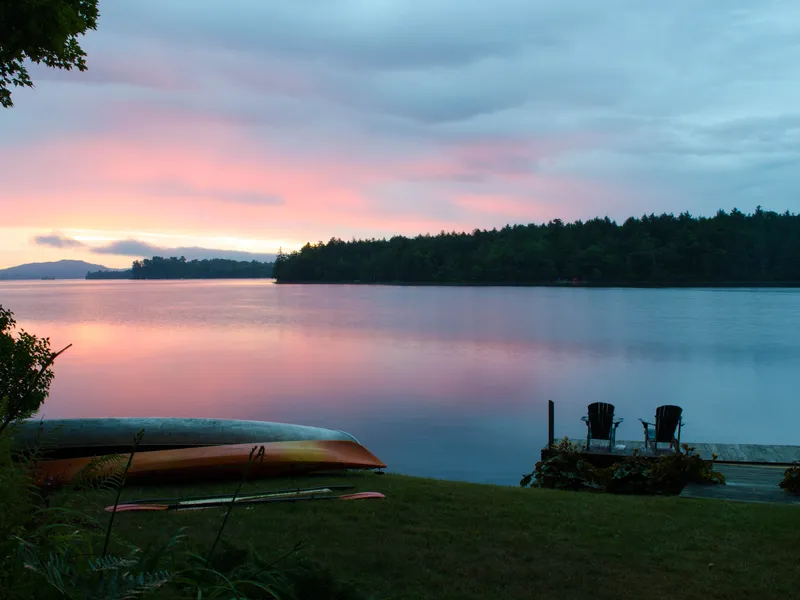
point(62, 269)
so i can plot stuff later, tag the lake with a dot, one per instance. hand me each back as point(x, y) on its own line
point(447, 382)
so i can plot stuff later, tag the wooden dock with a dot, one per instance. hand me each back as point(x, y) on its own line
point(737, 454)
point(752, 471)
point(748, 454)
point(745, 483)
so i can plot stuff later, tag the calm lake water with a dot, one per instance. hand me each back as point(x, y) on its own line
point(440, 382)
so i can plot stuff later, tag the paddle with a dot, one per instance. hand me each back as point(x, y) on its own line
point(251, 495)
point(216, 503)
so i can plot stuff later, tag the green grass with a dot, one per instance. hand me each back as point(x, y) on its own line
point(445, 540)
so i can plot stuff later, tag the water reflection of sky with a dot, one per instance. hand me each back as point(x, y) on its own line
point(443, 382)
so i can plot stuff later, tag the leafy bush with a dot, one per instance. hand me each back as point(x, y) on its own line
point(634, 475)
point(25, 373)
point(668, 474)
point(16, 508)
point(567, 469)
point(791, 479)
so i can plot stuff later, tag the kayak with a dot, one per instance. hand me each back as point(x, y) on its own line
point(64, 438)
point(210, 463)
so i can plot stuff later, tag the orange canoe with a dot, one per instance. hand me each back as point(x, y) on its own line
point(210, 463)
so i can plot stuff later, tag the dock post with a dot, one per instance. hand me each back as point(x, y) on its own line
point(551, 409)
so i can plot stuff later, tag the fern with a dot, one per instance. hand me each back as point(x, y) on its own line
point(107, 578)
point(54, 569)
point(107, 563)
point(145, 583)
point(136, 440)
point(101, 472)
point(117, 585)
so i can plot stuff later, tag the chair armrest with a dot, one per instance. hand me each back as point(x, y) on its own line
point(585, 419)
point(646, 423)
point(617, 422)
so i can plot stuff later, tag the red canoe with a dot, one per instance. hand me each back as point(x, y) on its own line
point(210, 463)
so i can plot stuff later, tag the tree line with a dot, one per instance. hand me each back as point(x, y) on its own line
point(761, 248)
point(179, 268)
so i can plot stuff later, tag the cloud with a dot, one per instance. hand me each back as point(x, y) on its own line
point(184, 189)
point(57, 240)
point(139, 249)
point(346, 32)
point(266, 119)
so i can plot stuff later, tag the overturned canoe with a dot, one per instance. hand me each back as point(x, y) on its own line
point(63, 438)
point(210, 463)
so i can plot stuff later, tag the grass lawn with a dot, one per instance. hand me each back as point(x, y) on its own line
point(445, 540)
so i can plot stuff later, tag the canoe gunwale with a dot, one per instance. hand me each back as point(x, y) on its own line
point(70, 438)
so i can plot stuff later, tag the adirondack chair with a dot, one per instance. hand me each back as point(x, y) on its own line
point(666, 429)
point(600, 424)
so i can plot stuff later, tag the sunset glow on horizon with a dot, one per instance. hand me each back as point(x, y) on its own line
point(235, 129)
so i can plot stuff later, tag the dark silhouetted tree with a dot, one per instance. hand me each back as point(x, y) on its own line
point(762, 248)
point(180, 268)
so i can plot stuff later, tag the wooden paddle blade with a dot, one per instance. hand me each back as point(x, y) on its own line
point(133, 507)
point(361, 496)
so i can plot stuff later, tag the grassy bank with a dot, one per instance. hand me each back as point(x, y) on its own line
point(445, 540)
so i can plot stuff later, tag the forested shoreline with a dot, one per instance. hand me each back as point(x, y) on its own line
point(730, 248)
point(179, 268)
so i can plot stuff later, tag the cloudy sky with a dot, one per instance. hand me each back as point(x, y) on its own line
point(245, 125)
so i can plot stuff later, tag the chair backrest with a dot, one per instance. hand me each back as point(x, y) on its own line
point(667, 419)
point(601, 418)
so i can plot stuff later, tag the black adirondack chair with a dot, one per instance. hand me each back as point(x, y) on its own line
point(666, 429)
point(600, 424)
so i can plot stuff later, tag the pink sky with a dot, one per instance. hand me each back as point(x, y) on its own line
point(172, 178)
point(251, 127)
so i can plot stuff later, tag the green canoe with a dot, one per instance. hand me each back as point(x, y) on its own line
point(88, 437)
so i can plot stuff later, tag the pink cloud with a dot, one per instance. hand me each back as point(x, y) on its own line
point(157, 170)
point(497, 159)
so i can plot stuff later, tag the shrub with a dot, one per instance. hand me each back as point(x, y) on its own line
point(567, 469)
point(25, 373)
point(634, 475)
point(16, 508)
point(791, 479)
point(668, 474)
